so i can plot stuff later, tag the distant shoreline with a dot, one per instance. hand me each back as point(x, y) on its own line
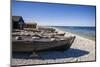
point(79, 34)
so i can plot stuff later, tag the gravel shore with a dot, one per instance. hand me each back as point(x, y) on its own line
point(81, 50)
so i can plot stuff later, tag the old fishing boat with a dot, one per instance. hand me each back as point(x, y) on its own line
point(40, 43)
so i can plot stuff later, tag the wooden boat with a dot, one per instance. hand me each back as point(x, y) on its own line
point(26, 44)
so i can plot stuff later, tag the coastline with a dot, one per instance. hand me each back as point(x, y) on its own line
point(82, 49)
point(75, 34)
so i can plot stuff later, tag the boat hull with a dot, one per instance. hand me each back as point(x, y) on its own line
point(27, 46)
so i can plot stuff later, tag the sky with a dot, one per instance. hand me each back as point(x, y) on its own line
point(55, 14)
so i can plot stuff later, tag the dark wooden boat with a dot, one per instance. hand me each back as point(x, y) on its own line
point(26, 44)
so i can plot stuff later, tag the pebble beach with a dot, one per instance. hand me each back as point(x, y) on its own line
point(82, 49)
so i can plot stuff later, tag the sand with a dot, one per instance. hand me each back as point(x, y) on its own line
point(82, 49)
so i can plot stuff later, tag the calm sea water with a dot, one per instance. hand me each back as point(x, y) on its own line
point(88, 32)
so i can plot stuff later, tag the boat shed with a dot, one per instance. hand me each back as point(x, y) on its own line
point(31, 25)
point(17, 22)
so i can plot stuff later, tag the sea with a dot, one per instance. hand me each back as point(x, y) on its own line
point(87, 32)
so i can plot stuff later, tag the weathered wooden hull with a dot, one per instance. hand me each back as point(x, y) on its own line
point(27, 46)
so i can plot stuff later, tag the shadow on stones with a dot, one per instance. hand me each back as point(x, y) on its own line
point(51, 54)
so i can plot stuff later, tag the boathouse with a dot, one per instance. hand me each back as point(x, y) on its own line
point(17, 22)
